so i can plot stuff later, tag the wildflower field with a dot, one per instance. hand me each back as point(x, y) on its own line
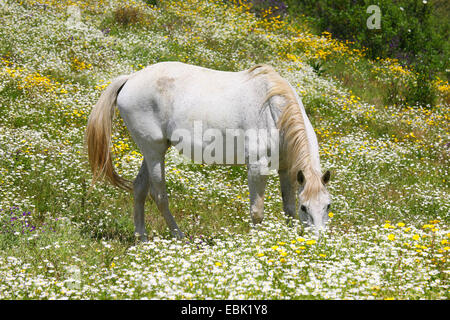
point(388, 235)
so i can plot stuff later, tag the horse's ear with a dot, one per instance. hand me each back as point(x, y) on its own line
point(326, 177)
point(300, 177)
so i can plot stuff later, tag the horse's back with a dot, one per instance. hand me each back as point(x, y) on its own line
point(174, 95)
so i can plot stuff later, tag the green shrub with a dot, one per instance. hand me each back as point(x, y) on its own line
point(412, 31)
point(152, 2)
point(127, 15)
point(421, 91)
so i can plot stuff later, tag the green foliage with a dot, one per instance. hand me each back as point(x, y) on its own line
point(411, 31)
point(421, 91)
point(318, 67)
point(127, 15)
point(152, 2)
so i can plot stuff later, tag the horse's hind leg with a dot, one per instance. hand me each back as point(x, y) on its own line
point(141, 186)
point(155, 164)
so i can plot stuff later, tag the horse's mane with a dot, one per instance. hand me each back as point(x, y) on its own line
point(291, 124)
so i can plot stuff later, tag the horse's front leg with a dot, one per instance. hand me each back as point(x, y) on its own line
point(287, 194)
point(256, 186)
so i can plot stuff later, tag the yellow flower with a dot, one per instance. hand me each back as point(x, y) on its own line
point(218, 264)
point(330, 214)
point(400, 224)
point(416, 237)
point(310, 242)
point(260, 254)
point(322, 255)
point(391, 237)
point(387, 225)
point(303, 239)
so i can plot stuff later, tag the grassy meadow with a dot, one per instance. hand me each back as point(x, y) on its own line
point(388, 235)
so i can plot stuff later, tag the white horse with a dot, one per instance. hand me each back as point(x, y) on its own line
point(164, 99)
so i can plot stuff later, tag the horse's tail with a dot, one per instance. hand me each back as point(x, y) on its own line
point(98, 136)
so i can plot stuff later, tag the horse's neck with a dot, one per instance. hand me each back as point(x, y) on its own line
point(313, 165)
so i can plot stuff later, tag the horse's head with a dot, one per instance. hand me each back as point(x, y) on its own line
point(314, 201)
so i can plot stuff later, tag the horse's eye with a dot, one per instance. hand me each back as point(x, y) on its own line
point(328, 207)
point(303, 208)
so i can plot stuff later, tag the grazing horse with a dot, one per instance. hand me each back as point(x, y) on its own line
point(168, 100)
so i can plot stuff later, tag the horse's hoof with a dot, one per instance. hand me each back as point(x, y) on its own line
point(257, 219)
point(141, 237)
point(178, 234)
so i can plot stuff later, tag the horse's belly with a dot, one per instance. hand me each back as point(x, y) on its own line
point(227, 147)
